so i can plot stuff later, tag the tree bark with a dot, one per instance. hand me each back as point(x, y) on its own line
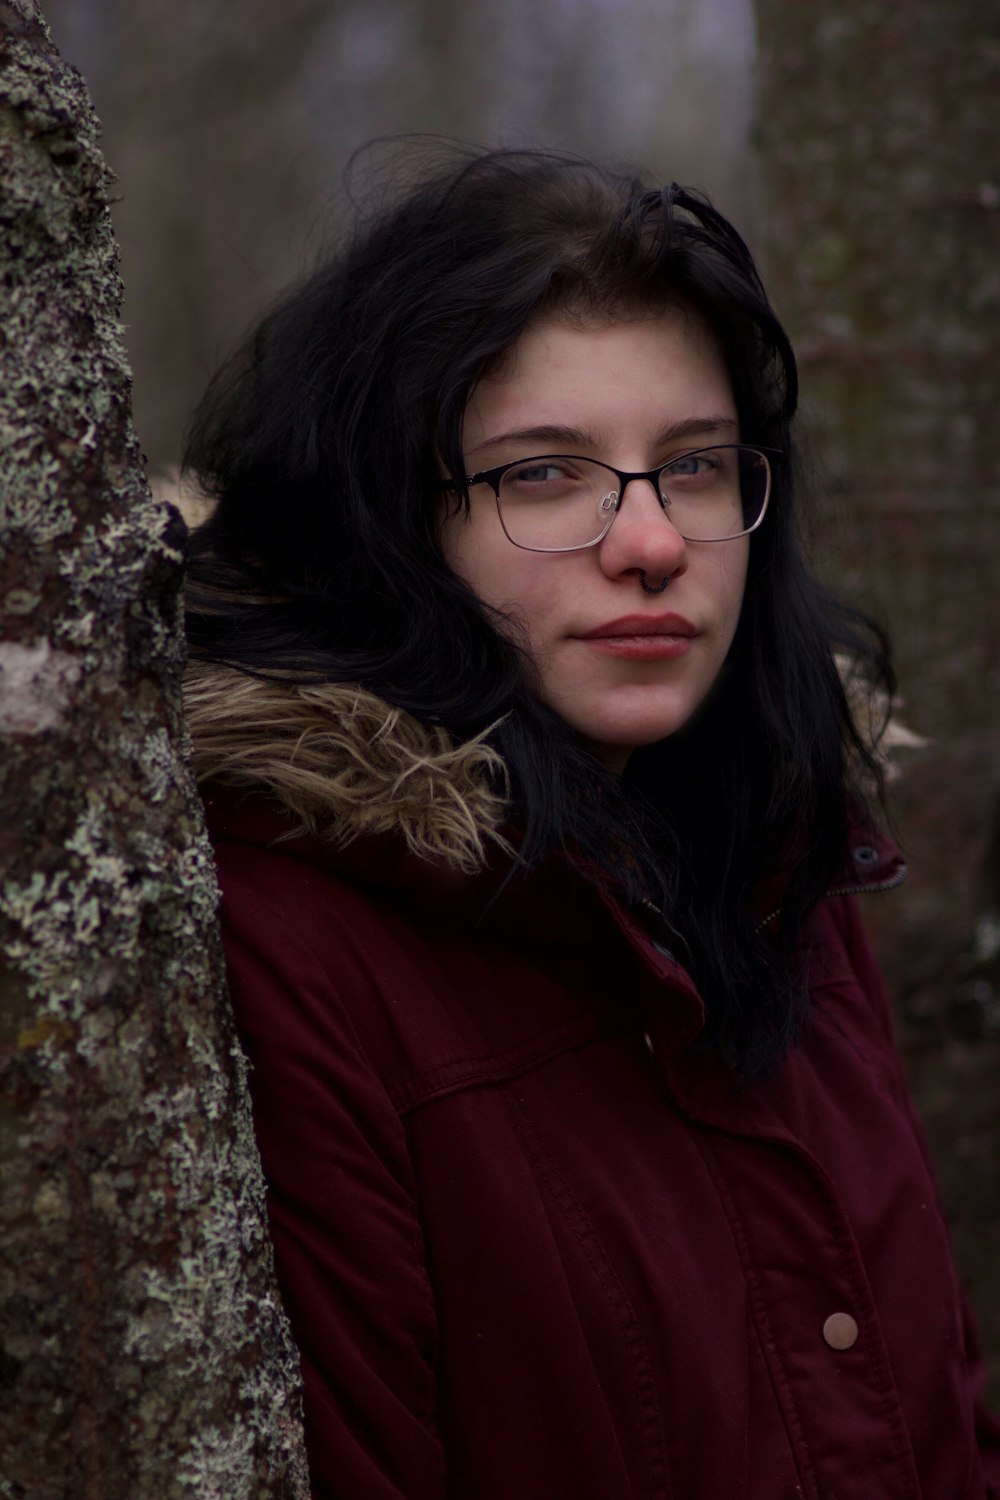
point(878, 129)
point(143, 1351)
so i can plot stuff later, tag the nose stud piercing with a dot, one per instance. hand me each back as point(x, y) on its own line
point(648, 588)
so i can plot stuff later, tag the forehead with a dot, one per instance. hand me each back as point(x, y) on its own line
point(611, 380)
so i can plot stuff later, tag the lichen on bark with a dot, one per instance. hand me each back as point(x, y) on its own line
point(143, 1350)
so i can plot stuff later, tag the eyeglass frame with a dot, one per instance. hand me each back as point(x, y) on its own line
point(494, 476)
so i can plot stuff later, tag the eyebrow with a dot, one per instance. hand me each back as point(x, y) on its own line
point(567, 437)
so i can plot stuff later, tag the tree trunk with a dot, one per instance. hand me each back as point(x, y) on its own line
point(143, 1351)
point(878, 130)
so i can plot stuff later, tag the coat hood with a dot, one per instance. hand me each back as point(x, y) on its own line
point(346, 764)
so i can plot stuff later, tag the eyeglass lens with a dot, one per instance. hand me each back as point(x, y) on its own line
point(552, 503)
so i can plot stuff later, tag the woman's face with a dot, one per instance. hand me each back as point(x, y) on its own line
point(623, 667)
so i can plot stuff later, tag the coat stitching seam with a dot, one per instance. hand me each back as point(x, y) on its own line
point(880, 1374)
point(415, 1090)
point(800, 1445)
point(594, 1250)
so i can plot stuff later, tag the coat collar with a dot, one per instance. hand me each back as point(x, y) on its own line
point(332, 775)
point(343, 764)
point(874, 863)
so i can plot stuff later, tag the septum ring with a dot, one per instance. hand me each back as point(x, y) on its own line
point(648, 588)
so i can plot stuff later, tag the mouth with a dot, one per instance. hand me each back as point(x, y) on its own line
point(642, 637)
point(634, 627)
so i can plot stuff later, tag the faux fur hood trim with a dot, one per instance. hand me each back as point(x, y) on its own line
point(346, 764)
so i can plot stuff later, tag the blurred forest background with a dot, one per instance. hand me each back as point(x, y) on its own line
point(857, 146)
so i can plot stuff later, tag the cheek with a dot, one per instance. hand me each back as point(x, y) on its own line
point(465, 546)
point(732, 584)
point(515, 582)
point(522, 592)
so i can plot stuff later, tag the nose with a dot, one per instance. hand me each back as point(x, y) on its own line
point(642, 539)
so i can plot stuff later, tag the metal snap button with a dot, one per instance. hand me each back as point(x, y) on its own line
point(840, 1331)
point(865, 855)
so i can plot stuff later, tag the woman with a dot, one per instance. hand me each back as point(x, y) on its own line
point(540, 815)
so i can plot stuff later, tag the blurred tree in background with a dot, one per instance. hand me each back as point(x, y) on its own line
point(864, 169)
point(880, 220)
point(230, 132)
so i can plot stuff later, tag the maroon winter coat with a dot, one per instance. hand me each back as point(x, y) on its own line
point(532, 1244)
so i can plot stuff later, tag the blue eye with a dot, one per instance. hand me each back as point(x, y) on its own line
point(538, 473)
point(690, 465)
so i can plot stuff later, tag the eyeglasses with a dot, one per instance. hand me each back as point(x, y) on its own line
point(560, 503)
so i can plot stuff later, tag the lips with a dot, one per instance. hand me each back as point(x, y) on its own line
point(642, 638)
point(644, 626)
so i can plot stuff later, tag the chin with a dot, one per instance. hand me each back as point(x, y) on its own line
point(613, 738)
point(627, 726)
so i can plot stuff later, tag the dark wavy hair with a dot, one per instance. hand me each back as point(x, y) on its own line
point(322, 441)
